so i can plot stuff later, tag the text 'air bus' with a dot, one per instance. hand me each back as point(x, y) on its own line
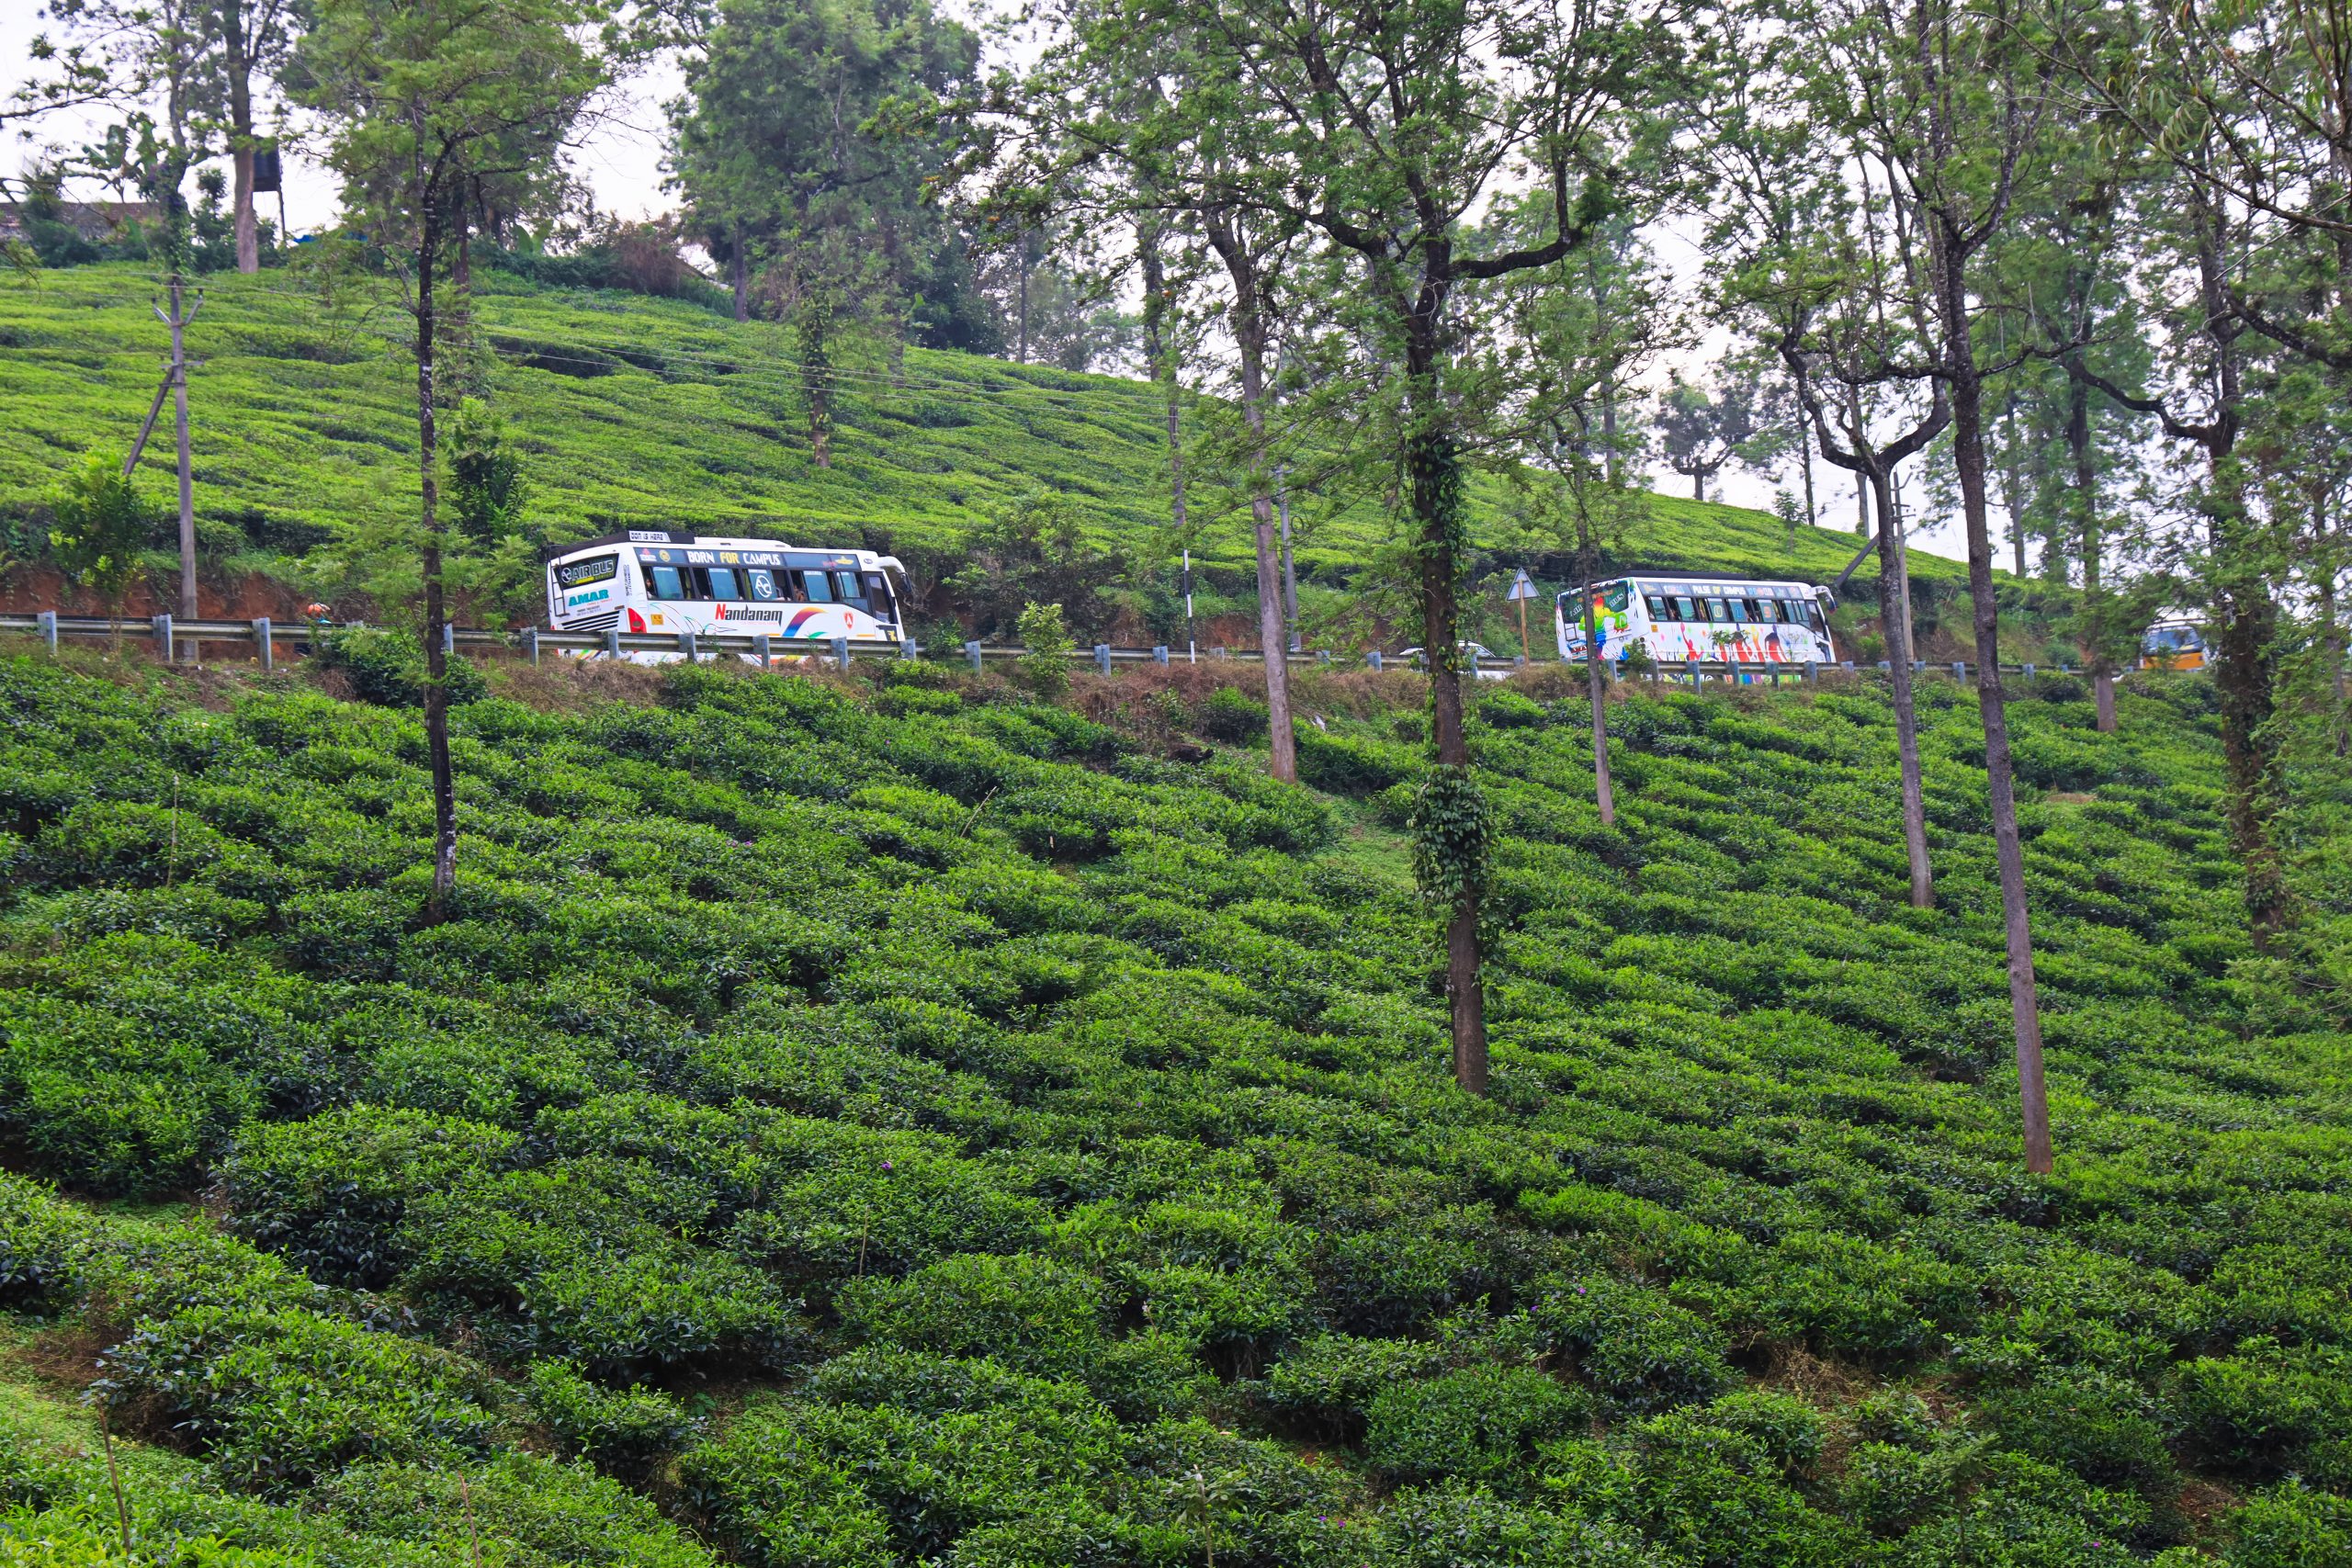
point(1676, 618)
point(663, 581)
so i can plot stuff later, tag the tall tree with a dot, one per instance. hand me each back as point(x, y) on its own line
point(419, 97)
point(1700, 434)
point(1383, 130)
point(254, 38)
point(1823, 264)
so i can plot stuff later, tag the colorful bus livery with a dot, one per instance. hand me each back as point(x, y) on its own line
point(1678, 618)
point(662, 580)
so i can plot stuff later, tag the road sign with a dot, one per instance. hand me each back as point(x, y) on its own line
point(1521, 588)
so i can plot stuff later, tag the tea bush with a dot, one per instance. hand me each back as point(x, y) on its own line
point(926, 1125)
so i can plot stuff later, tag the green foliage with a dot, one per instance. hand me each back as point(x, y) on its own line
point(1045, 642)
point(388, 667)
point(1044, 1145)
point(102, 527)
point(627, 1433)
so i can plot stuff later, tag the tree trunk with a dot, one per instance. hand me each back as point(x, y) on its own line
point(1609, 425)
point(1159, 349)
point(743, 277)
point(1698, 484)
point(2083, 502)
point(1968, 462)
point(436, 618)
point(1894, 623)
point(1026, 265)
point(240, 70)
point(1249, 340)
point(1596, 682)
point(1805, 444)
point(2243, 676)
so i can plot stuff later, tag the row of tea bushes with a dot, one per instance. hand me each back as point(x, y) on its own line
point(920, 1125)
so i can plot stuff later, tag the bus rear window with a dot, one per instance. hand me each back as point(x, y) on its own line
point(1613, 597)
point(668, 581)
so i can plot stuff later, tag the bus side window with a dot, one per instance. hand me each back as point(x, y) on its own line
point(1768, 611)
point(1659, 609)
point(1742, 612)
point(1717, 611)
point(723, 584)
point(816, 587)
point(669, 582)
point(763, 583)
point(1686, 608)
point(846, 588)
point(877, 595)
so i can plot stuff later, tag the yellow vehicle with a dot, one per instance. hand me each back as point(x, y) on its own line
point(2171, 644)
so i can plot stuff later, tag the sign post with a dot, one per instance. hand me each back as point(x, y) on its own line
point(1192, 648)
point(1523, 590)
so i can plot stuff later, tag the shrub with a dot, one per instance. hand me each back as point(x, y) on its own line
point(2289, 1525)
point(388, 667)
point(1028, 1312)
point(1510, 710)
point(1345, 765)
point(628, 1434)
point(1043, 666)
point(1331, 1380)
point(40, 1240)
point(1479, 1424)
point(278, 1399)
point(1230, 715)
point(1634, 1345)
point(329, 1194)
point(523, 1511)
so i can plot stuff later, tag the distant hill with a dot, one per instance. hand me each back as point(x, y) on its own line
point(637, 410)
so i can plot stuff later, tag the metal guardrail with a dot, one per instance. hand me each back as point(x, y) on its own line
point(169, 634)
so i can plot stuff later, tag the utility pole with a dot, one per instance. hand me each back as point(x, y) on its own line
point(178, 320)
point(1290, 570)
point(175, 383)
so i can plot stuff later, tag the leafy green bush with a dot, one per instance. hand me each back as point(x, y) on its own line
point(1634, 1345)
point(517, 1509)
point(627, 1433)
point(40, 1241)
point(388, 667)
point(1230, 715)
point(1479, 1424)
point(278, 1399)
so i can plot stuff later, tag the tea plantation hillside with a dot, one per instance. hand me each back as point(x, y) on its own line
point(854, 1125)
point(630, 410)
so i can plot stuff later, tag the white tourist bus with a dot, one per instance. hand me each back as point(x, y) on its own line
point(1678, 618)
point(663, 581)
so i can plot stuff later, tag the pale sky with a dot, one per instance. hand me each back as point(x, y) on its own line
point(620, 159)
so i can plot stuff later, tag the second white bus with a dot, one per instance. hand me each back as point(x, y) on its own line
point(1678, 618)
point(655, 580)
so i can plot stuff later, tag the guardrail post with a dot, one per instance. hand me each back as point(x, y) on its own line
point(764, 649)
point(1959, 669)
point(163, 638)
point(2027, 670)
point(261, 641)
point(686, 647)
point(1847, 665)
point(47, 621)
point(1219, 653)
point(1887, 666)
point(1322, 656)
point(612, 641)
point(1373, 658)
point(1813, 671)
point(1918, 668)
point(448, 640)
point(841, 654)
point(1692, 666)
point(1518, 661)
point(1102, 658)
point(1159, 653)
point(909, 649)
point(2063, 670)
point(972, 653)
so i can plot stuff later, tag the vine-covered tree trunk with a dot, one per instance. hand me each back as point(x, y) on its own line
point(436, 616)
